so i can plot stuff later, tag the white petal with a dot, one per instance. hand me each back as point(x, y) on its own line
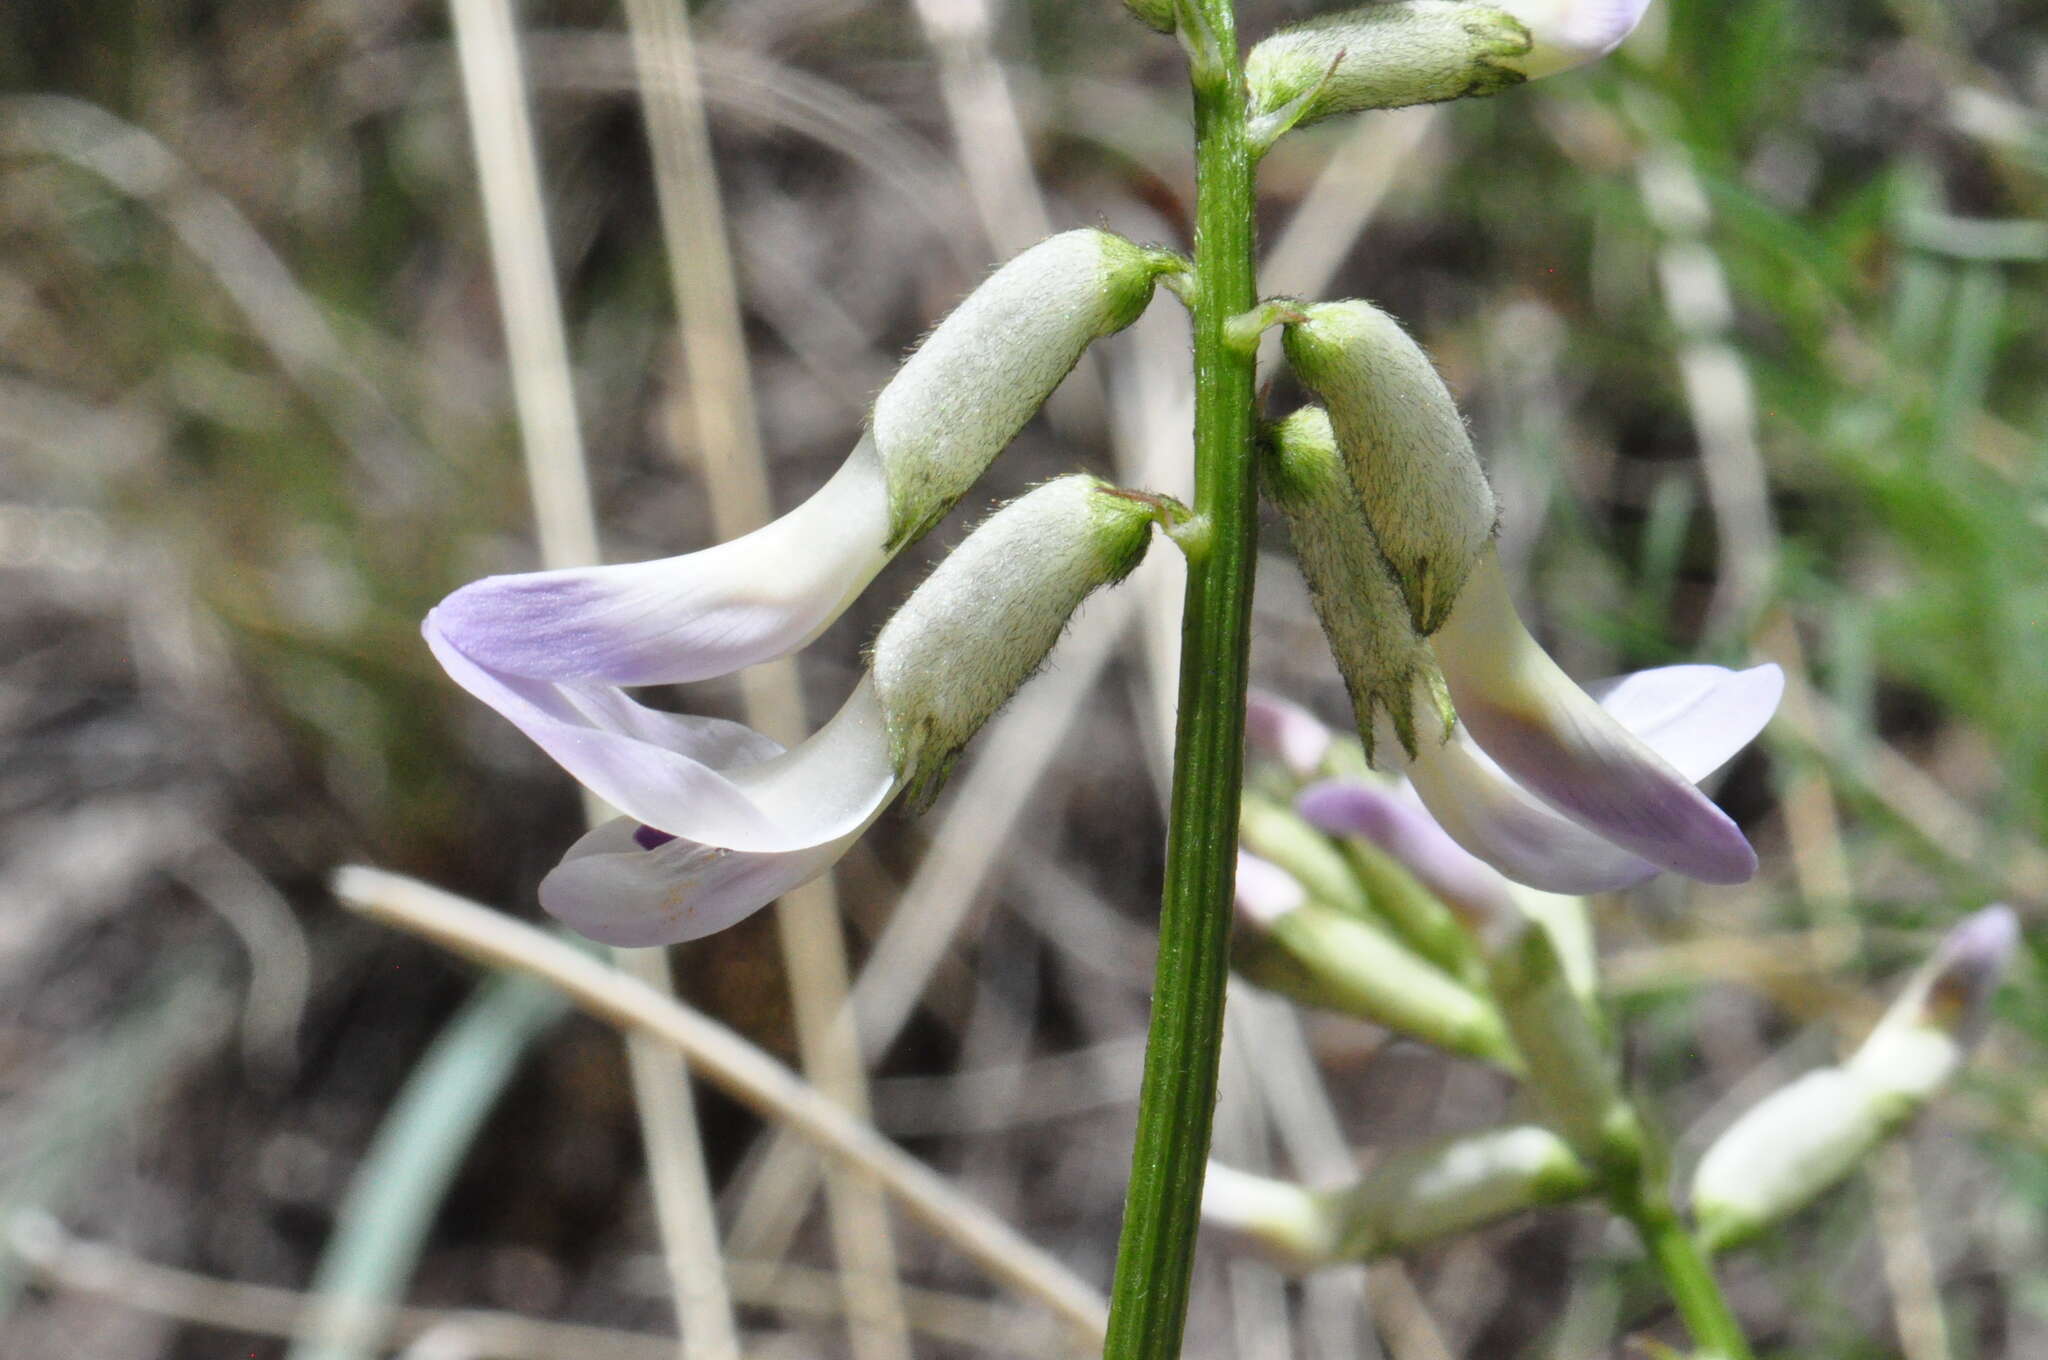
point(613, 889)
point(1265, 891)
point(708, 613)
point(702, 779)
point(1285, 731)
point(1696, 717)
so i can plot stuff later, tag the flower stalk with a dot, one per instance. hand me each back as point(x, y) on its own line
point(1148, 1303)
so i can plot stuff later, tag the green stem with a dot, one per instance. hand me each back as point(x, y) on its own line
point(1687, 1276)
point(1148, 1304)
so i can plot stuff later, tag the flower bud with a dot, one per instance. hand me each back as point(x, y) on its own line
point(985, 618)
point(1412, 1196)
point(1801, 1139)
point(1452, 1185)
point(1322, 956)
point(1384, 661)
point(983, 372)
point(1385, 56)
point(1405, 446)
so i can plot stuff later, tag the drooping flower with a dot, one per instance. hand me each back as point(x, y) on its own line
point(1574, 794)
point(949, 410)
point(1539, 779)
point(718, 820)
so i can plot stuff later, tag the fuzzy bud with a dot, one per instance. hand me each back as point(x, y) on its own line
point(986, 617)
point(984, 370)
point(1405, 445)
point(1385, 56)
point(1795, 1143)
point(1385, 662)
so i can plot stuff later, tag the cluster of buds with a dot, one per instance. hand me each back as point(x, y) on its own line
point(1352, 898)
point(717, 820)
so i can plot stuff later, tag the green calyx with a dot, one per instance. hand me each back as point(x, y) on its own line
point(1358, 599)
point(984, 371)
point(1382, 56)
point(985, 619)
point(1404, 446)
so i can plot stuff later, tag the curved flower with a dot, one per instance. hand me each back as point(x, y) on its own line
point(952, 406)
point(719, 820)
point(1586, 794)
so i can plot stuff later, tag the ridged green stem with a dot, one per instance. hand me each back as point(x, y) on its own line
point(1688, 1276)
point(1148, 1304)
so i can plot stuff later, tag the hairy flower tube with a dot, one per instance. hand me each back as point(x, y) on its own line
point(719, 820)
point(949, 410)
point(1803, 1138)
point(1385, 662)
point(1389, 55)
point(1405, 447)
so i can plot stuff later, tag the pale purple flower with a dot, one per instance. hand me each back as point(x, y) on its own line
point(718, 819)
point(703, 614)
point(740, 819)
point(1572, 792)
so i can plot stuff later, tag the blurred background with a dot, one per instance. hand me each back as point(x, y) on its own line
point(1748, 321)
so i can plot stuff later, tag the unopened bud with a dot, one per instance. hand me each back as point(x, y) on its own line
point(1321, 956)
point(1277, 833)
point(1800, 1140)
point(1384, 661)
point(1411, 1197)
point(1405, 445)
point(1385, 56)
point(983, 621)
point(982, 373)
point(1440, 1189)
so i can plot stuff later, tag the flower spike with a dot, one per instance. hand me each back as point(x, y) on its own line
point(950, 409)
point(720, 820)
